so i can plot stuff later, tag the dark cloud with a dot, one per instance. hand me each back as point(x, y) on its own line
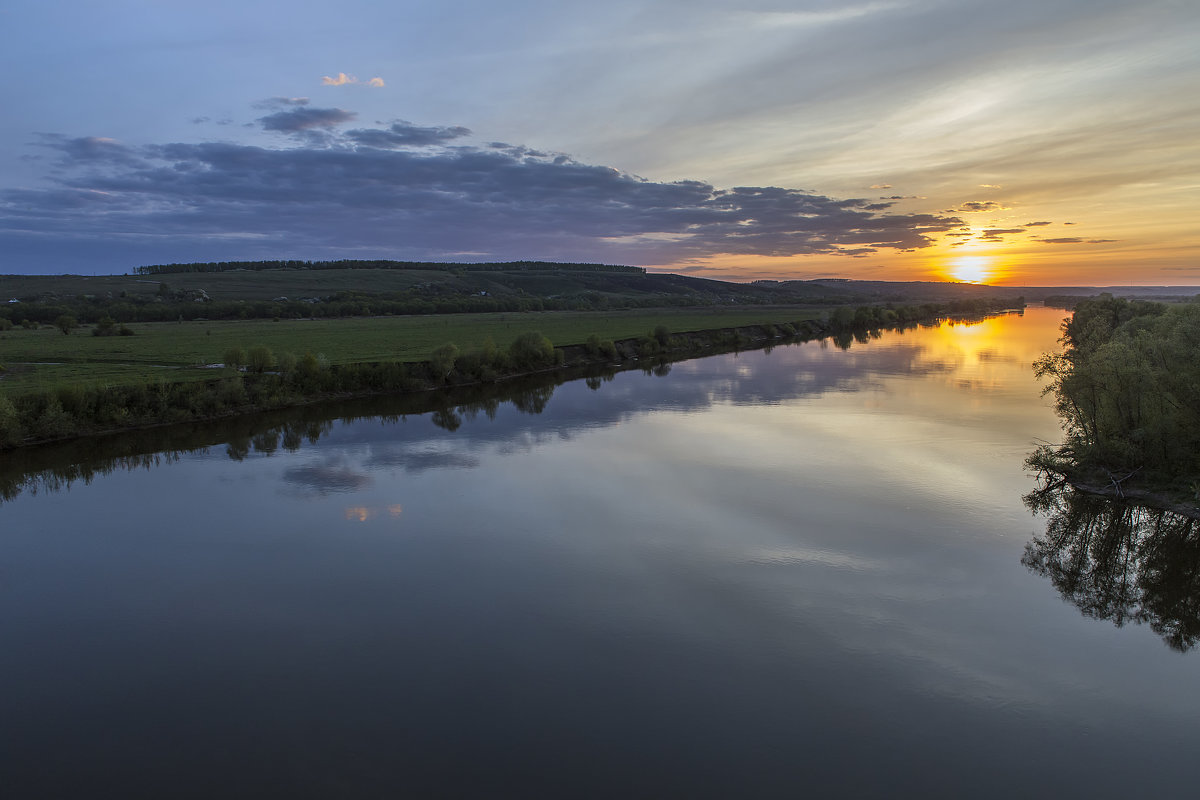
point(995, 234)
point(976, 206)
point(89, 150)
point(334, 475)
point(405, 134)
point(1037, 224)
point(415, 462)
point(280, 102)
point(407, 191)
point(304, 118)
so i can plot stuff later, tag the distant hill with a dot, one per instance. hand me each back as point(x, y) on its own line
point(293, 289)
point(355, 264)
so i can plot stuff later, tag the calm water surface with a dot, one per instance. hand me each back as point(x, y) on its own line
point(761, 575)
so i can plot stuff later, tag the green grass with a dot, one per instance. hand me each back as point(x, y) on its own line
point(172, 351)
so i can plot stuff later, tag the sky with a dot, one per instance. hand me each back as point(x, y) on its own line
point(1025, 142)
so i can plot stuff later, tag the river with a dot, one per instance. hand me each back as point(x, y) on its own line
point(782, 573)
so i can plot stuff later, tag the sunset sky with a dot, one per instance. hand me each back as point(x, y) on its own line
point(1041, 142)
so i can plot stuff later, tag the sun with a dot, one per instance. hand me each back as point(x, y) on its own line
point(971, 269)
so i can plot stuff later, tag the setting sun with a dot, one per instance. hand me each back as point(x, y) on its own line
point(971, 269)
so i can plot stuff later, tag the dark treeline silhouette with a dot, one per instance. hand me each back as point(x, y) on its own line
point(1120, 561)
point(487, 266)
point(1127, 387)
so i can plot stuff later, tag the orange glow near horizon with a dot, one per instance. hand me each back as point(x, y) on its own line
point(972, 269)
point(994, 264)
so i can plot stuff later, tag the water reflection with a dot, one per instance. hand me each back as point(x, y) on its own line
point(815, 593)
point(1119, 561)
point(770, 376)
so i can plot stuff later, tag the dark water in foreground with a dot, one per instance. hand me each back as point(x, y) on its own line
point(795, 573)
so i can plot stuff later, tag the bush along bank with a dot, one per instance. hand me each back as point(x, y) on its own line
point(256, 379)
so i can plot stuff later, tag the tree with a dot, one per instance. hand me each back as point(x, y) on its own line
point(65, 323)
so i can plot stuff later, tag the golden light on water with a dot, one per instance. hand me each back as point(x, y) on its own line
point(363, 513)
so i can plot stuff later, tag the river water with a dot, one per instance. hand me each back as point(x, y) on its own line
point(764, 574)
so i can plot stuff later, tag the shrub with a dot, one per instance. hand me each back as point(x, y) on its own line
point(232, 391)
point(107, 326)
point(65, 323)
point(531, 351)
point(287, 363)
point(54, 422)
point(442, 359)
point(234, 358)
point(259, 358)
point(10, 423)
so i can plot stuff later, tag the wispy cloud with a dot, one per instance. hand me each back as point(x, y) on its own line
point(1075, 240)
point(997, 234)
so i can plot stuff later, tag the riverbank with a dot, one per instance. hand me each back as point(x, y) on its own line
point(266, 383)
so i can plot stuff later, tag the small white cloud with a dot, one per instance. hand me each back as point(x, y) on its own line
point(343, 79)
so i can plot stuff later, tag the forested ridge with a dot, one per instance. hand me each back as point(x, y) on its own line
point(485, 266)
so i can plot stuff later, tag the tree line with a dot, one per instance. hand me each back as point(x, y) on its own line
point(446, 266)
point(1127, 388)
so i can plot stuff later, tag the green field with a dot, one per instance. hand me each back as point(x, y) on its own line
point(35, 360)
